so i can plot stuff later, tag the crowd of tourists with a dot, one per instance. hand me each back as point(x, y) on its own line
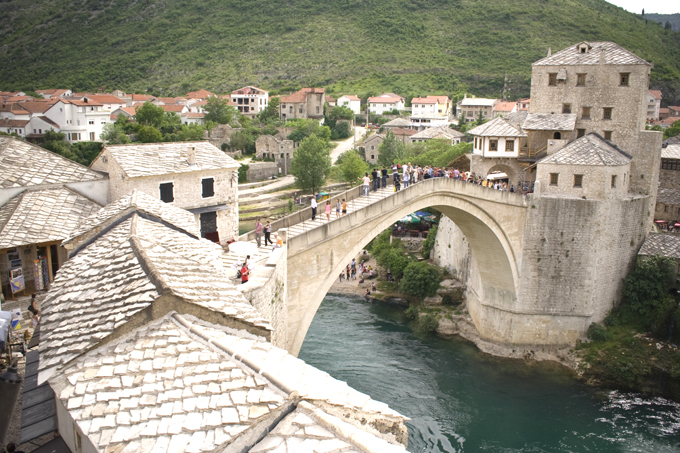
point(411, 174)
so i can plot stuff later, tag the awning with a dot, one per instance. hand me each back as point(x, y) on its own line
point(203, 210)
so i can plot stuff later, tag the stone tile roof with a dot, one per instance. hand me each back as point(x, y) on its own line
point(550, 122)
point(398, 122)
point(497, 127)
point(137, 201)
point(122, 271)
point(149, 159)
point(613, 54)
point(671, 151)
point(178, 385)
point(433, 132)
point(661, 244)
point(516, 118)
point(672, 140)
point(590, 149)
point(467, 102)
point(668, 196)
point(37, 216)
point(23, 164)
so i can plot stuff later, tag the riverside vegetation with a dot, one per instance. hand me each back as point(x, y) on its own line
point(409, 47)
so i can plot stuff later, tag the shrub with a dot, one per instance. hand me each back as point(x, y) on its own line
point(428, 243)
point(393, 258)
point(420, 280)
point(597, 332)
point(243, 173)
point(411, 312)
point(428, 323)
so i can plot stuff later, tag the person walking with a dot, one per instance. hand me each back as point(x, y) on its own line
point(337, 208)
point(258, 232)
point(384, 177)
point(407, 177)
point(367, 184)
point(328, 210)
point(313, 207)
point(267, 233)
point(344, 207)
point(376, 180)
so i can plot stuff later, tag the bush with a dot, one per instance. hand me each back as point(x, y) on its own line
point(411, 312)
point(393, 258)
point(243, 173)
point(597, 332)
point(420, 280)
point(428, 323)
point(428, 243)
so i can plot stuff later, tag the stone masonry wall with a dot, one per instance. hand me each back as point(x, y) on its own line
point(451, 250)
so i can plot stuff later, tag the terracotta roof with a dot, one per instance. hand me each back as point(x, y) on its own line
point(386, 98)
point(79, 102)
point(36, 107)
point(591, 149)
point(613, 54)
point(670, 120)
point(352, 97)
point(498, 127)
point(505, 106)
point(6, 122)
point(37, 216)
point(193, 115)
point(550, 122)
point(24, 164)
point(249, 90)
point(400, 131)
point(106, 99)
point(142, 97)
point(663, 110)
point(52, 91)
point(661, 244)
point(147, 159)
point(173, 107)
point(13, 107)
point(129, 110)
point(168, 100)
point(330, 98)
point(426, 100)
point(656, 93)
point(200, 94)
point(301, 95)
point(19, 98)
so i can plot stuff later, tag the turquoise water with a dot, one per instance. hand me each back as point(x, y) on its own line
point(460, 400)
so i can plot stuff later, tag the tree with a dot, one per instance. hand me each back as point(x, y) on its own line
point(150, 115)
point(219, 111)
point(420, 280)
point(311, 163)
point(340, 113)
point(341, 130)
point(114, 134)
point(393, 258)
point(352, 166)
point(242, 140)
point(149, 134)
point(390, 150)
point(306, 128)
point(672, 131)
point(648, 284)
point(668, 26)
point(271, 112)
point(86, 152)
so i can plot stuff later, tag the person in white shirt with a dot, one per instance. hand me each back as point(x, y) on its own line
point(313, 206)
point(367, 184)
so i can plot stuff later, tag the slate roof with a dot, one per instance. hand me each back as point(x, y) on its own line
point(437, 131)
point(672, 140)
point(121, 272)
point(661, 244)
point(668, 196)
point(497, 127)
point(591, 149)
point(149, 159)
point(550, 122)
point(164, 388)
point(37, 216)
point(398, 122)
point(516, 118)
point(614, 54)
point(671, 151)
point(23, 164)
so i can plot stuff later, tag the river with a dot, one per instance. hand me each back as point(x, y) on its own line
point(461, 400)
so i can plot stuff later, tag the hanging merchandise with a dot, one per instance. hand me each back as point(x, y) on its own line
point(37, 275)
point(45, 272)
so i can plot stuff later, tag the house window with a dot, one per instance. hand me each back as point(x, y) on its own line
point(470, 113)
point(607, 113)
point(167, 192)
point(300, 109)
point(624, 79)
point(613, 181)
point(665, 209)
point(509, 145)
point(291, 109)
point(91, 136)
point(578, 180)
point(607, 135)
point(493, 145)
point(552, 79)
point(580, 80)
point(580, 133)
point(208, 186)
point(91, 122)
point(372, 156)
point(553, 178)
point(372, 147)
point(566, 108)
point(585, 113)
point(317, 109)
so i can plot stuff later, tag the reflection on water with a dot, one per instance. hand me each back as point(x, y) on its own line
point(459, 399)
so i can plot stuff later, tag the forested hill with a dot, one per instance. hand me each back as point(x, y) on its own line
point(406, 46)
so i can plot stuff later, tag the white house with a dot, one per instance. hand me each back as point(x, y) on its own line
point(497, 138)
point(13, 126)
point(431, 105)
point(54, 93)
point(350, 101)
point(386, 102)
point(79, 120)
point(192, 118)
point(109, 102)
point(250, 100)
point(438, 133)
point(426, 120)
point(38, 125)
point(653, 104)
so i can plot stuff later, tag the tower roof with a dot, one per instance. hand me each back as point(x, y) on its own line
point(588, 53)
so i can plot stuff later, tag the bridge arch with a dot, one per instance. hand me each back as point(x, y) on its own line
point(492, 221)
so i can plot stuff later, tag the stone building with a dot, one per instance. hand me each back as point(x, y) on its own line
point(667, 205)
point(168, 356)
point(438, 133)
point(659, 244)
point(496, 147)
point(371, 146)
point(191, 175)
point(471, 108)
point(306, 103)
point(669, 175)
point(270, 147)
point(43, 197)
point(249, 101)
point(398, 123)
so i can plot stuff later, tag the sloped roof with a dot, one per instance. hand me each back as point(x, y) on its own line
point(672, 140)
point(613, 53)
point(137, 201)
point(433, 132)
point(173, 107)
point(301, 95)
point(36, 107)
point(121, 271)
point(661, 244)
point(398, 122)
point(351, 97)
point(656, 93)
point(668, 196)
point(106, 99)
point(497, 127)
point(386, 98)
point(37, 216)
point(200, 94)
point(400, 131)
point(467, 102)
point(591, 149)
point(504, 106)
point(426, 100)
point(148, 159)
point(516, 118)
point(671, 151)
point(23, 164)
point(6, 122)
point(550, 122)
point(249, 90)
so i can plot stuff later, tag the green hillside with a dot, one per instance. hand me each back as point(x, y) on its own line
point(407, 46)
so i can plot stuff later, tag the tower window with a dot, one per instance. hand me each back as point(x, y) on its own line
point(607, 113)
point(553, 178)
point(613, 181)
point(580, 80)
point(624, 79)
point(607, 135)
point(585, 113)
point(566, 108)
point(208, 187)
point(580, 133)
point(167, 194)
point(578, 180)
point(552, 79)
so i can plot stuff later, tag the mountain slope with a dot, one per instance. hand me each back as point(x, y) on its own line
point(407, 46)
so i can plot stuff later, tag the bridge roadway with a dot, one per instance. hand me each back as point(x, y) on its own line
point(492, 221)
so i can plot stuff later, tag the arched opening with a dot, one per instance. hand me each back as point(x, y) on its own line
point(496, 172)
point(313, 269)
point(557, 136)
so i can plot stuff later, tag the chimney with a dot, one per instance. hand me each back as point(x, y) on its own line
point(549, 51)
point(191, 155)
point(602, 56)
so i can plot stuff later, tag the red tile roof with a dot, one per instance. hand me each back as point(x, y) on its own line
point(35, 107)
point(83, 102)
point(20, 98)
point(173, 107)
point(52, 91)
point(168, 100)
point(106, 99)
point(440, 99)
point(426, 100)
point(5, 122)
point(400, 131)
point(249, 90)
point(656, 93)
point(352, 97)
point(670, 120)
point(330, 98)
point(301, 95)
point(504, 106)
point(13, 107)
point(200, 94)
point(142, 97)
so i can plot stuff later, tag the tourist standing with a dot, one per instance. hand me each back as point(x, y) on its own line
point(384, 177)
point(258, 232)
point(376, 180)
point(337, 208)
point(344, 207)
point(407, 177)
point(328, 210)
point(313, 207)
point(367, 184)
point(267, 233)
